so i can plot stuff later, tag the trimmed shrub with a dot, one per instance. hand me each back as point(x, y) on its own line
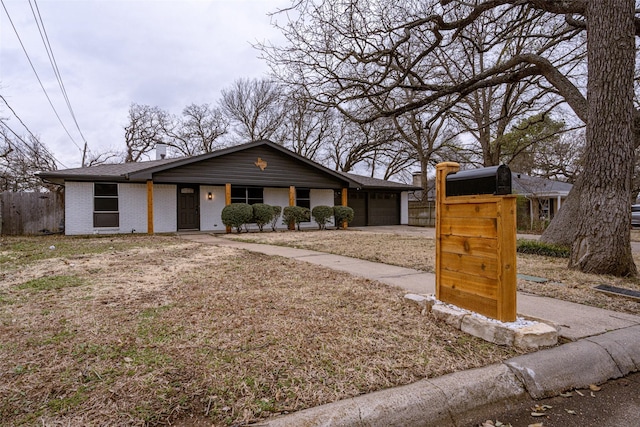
point(276, 214)
point(539, 248)
point(342, 214)
point(322, 215)
point(236, 215)
point(262, 214)
point(295, 215)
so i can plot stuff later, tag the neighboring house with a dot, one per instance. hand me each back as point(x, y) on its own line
point(541, 199)
point(189, 193)
point(544, 197)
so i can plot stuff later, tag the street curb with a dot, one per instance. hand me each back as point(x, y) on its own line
point(462, 397)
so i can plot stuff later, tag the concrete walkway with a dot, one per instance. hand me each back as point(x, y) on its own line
point(605, 345)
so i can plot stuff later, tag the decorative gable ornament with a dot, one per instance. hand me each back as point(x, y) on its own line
point(260, 163)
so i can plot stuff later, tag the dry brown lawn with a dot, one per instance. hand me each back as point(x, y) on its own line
point(418, 252)
point(136, 330)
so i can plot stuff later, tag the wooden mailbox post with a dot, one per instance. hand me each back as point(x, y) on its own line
point(475, 249)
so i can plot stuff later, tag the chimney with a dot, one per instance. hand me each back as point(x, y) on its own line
point(417, 179)
point(161, 151)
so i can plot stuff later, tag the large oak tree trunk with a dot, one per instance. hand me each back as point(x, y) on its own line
point(596, 218)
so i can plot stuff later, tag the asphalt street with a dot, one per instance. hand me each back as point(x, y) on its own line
point(617, 403)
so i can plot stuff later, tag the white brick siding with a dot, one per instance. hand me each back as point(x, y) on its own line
point(132, 208)
point(165, 208)
point(211, 210)
point(277, 197)
point(132, 204)
point(318, 198)
point(78, 208)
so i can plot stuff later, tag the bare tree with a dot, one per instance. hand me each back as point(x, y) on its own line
point(357, 143)
point(198, 131)
point(354, 52)
point(489, 112)
point(93, 158)
point(307, 128)
point(562, 158)
point(425, 136)
point(254, 108)
point(20, 158)
point(145, 130)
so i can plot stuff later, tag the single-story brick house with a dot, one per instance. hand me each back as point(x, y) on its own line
point(189, 193)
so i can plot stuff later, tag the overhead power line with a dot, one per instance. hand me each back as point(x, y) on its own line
point(38, 77)
point(35, 138)
point(54, 64)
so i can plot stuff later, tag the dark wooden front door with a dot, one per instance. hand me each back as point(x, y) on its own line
point(188, 208)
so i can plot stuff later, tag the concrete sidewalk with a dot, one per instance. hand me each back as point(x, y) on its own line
point(605, 345)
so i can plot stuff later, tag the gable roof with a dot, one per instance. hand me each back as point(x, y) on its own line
point(537, 186)
point(167, 170)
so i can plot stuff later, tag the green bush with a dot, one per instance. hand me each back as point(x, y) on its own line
point(322, 215)
point(236, 215)
point(342, 214)
point(262, 214)
point(276, 214)
point(295, 214)
point(539, 248)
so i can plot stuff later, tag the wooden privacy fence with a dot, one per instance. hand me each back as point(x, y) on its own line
point(422, 214)
point(31, 213)
point(476, 250)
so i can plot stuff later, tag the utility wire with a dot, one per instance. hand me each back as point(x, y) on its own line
point(21, 150)
point(54, 63)
point(38, 77)
point(35, 138)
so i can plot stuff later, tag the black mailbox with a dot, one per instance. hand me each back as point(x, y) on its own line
point(492, 180)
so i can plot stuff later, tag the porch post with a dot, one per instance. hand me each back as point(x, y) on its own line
point(345, 200)
point(292, 202)
point(227, 199)
point(531, 213)
point(149, 206)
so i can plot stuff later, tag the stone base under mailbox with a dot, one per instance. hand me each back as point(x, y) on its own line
point(531, 336)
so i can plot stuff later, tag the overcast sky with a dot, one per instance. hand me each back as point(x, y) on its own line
point(111, 53)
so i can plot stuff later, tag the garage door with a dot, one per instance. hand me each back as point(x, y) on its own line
point(384, 208)
point(374, 208)
point(358, 202)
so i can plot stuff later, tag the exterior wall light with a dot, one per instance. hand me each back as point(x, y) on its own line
point(209, 195)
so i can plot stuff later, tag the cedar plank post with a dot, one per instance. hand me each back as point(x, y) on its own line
point(292, 202)
point(227, 199)
point(345, 200)
point(149, 206)
point(442, 170)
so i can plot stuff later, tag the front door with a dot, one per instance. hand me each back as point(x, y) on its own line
point(188, 208)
